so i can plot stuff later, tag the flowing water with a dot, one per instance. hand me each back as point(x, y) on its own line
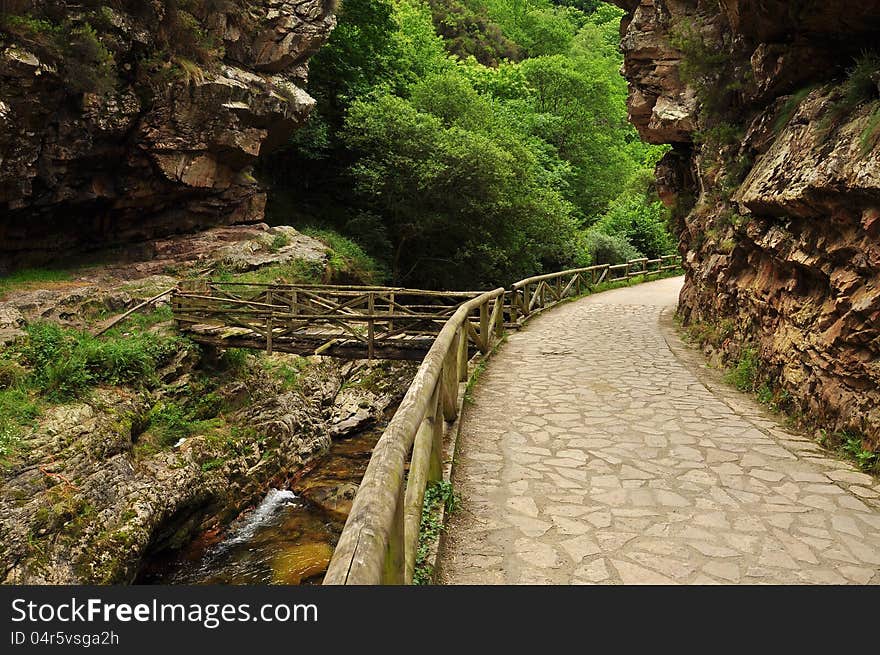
point(288, 538)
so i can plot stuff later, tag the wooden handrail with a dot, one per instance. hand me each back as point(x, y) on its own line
point(552, 276)
point(540, 292)
point(380, 537)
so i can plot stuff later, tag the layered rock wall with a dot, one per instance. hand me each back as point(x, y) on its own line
point(773, 112)
point(128, 120)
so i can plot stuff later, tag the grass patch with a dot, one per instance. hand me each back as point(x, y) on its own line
point(347, 260)
point(143, 321)
point(66, 362)
point(744, 376)
point(479, 369)
point(438, 495)
point(170, 422)
point(790, 108)
point(287, 370)
point(235, 360)
point(297, 271)
point(858, 88)
point(32, 278)
point(279, 242)
point(18, 410)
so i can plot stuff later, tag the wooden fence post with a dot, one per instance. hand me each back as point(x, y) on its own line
point(391, 312)
point(269, 324)
point(395, 553)
point(371, 328)
point(462, 353)
point(449, 383)
point(484, 328)
point(499, 316)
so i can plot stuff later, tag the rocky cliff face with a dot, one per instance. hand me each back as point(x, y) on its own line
point(130, 119)
point(773, 112)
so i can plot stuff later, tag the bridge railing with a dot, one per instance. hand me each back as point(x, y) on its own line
point(379, 542)
point(388, 322)
point(535, 294)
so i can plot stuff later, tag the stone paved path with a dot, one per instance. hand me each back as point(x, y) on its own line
point(594, 454)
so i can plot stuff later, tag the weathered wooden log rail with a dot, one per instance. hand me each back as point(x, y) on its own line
point(542, 292)
point(380, 539)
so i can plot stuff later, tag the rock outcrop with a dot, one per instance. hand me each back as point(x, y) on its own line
point(130, 120)
point(89, 499)
point(773, 112)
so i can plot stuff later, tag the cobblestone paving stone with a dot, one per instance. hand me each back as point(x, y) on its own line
point(593, 453)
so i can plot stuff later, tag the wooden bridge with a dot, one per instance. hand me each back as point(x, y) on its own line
point(379, 542)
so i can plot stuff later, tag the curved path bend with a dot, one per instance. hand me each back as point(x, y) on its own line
point(598, 451)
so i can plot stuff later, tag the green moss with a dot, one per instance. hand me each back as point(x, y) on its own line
point(870, 135)
point(212, 464)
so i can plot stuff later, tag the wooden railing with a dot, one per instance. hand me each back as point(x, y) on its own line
point(541, 292)
point(350, 322)
point(380, 539)
point(379, 542)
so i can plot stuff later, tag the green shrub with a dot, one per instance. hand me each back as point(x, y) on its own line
point(852, 445)
point(640, 222)
point(46, 343)
point(171, 422)
point(86, 65)
point(120, 361)
point(862, 80)
point(608, 249)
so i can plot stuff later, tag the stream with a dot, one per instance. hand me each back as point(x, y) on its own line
point(288, 538)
